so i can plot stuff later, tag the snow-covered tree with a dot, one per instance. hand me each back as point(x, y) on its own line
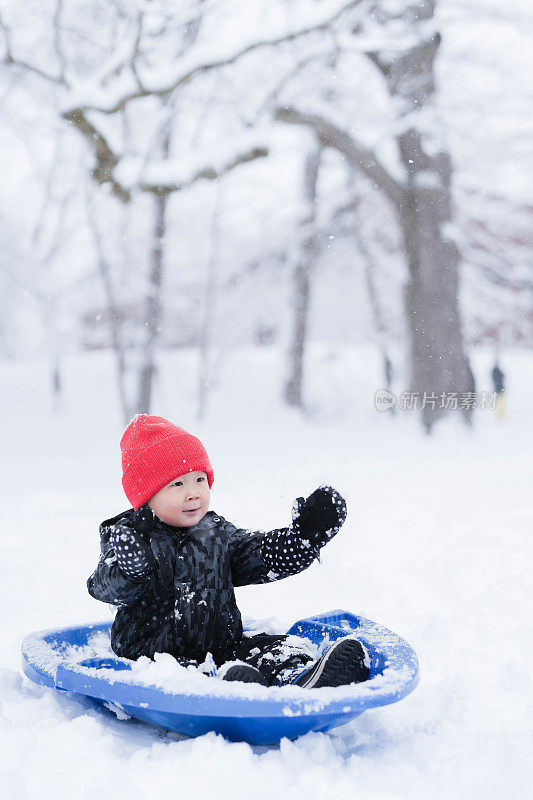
point(118, 73)
point(401, 40)
point(167, 100)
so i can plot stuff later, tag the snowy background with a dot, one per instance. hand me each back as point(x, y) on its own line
point(436, 545)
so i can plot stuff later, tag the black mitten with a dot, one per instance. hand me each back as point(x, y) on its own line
point(319, 517)
point(131, 543)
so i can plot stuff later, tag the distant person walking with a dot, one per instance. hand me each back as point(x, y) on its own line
point(498, 382)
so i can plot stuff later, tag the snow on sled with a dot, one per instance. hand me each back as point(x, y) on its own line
point(164, 693)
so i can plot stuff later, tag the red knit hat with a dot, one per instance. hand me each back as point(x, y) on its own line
point(154, 451)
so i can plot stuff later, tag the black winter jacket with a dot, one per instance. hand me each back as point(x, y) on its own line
point(186, 606)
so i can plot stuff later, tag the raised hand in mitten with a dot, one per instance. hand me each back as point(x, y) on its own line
point(319, 517)
point(131, 543)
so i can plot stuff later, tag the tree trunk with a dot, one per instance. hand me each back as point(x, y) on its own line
point(369, 263)
point(113, 310)
point(152, 315)
point(422, 199)
point(302, 282)
point(437, 358)
point(206, 334)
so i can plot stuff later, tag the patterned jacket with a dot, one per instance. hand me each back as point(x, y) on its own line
point(186, 606)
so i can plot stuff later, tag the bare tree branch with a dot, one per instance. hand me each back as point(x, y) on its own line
point(125, 57)
point(10, 60)
point(136, 48)
point(199, 69)
point(332, 136)
point(47, 193)
point(57, 39)
point(106, 158)
point(272, 100)
point(207, 173)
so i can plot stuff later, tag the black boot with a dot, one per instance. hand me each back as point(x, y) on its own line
point(344, 662)
point(244, 673)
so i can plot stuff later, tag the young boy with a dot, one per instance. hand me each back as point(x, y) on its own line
point(171, 565)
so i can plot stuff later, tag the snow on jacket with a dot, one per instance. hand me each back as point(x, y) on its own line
point(186, 606)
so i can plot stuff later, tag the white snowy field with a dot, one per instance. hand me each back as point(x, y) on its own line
point(436, 547)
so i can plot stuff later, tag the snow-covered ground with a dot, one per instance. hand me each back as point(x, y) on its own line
point(436, 547)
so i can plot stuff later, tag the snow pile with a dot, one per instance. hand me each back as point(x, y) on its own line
point(167, 675)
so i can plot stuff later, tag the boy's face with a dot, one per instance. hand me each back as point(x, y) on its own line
point(184, 501)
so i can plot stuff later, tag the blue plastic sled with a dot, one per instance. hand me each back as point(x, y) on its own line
point(393, 674)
